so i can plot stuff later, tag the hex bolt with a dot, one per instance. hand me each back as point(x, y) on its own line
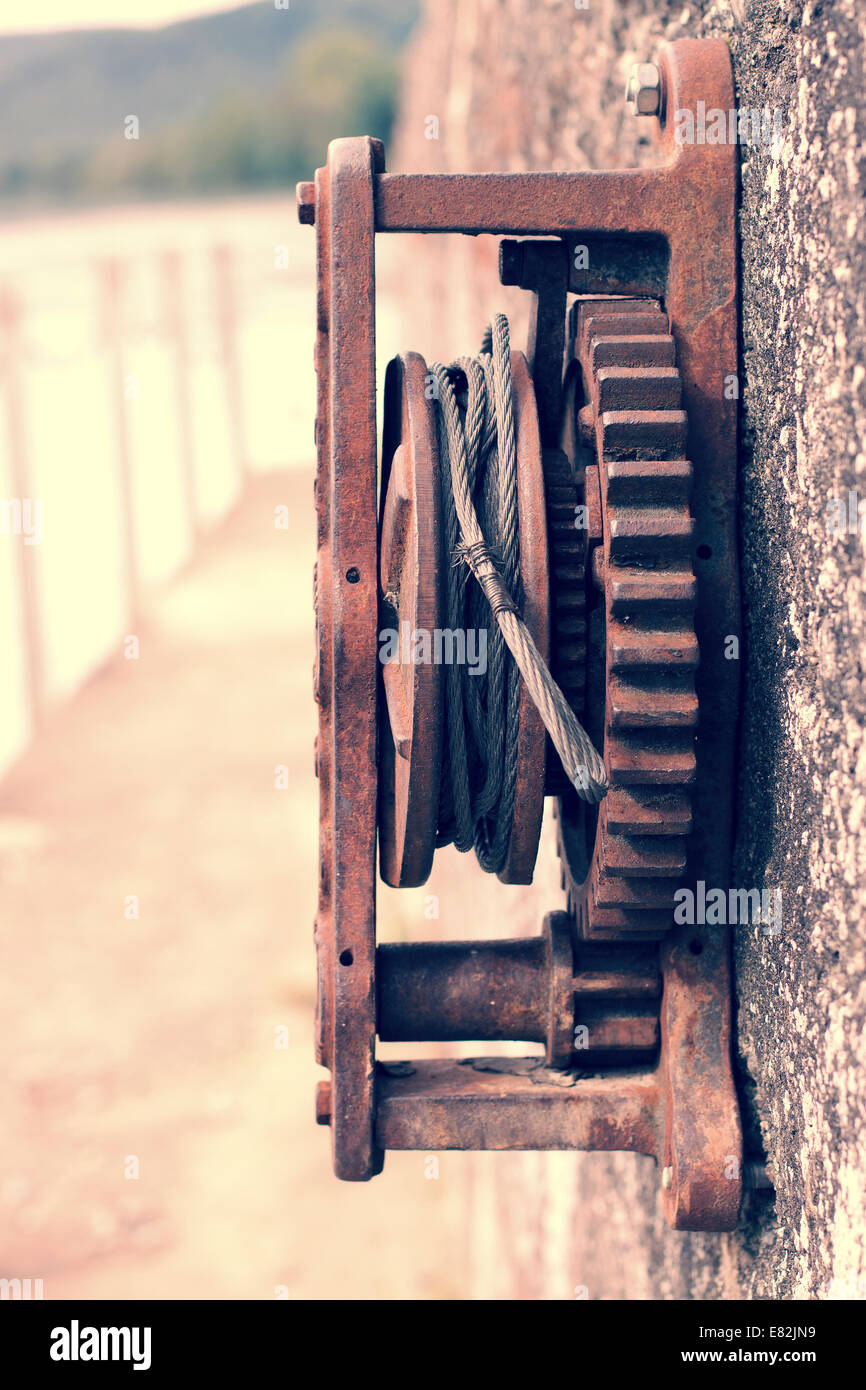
point(510, 262)
point(643, 92)
point(323, 1103)
point(755, 1176)
point(306, 194)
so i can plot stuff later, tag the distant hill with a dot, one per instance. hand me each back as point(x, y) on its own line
point(262, 80)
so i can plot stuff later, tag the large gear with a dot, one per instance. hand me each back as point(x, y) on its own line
point(623, 861)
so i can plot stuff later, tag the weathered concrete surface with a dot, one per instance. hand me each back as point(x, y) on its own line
point(518, 84)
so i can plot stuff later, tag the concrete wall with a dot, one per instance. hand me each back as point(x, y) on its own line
point(520, 84)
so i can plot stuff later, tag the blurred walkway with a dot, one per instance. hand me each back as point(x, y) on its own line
point(150, 1041)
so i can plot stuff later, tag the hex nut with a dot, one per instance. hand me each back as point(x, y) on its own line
point(643, 91)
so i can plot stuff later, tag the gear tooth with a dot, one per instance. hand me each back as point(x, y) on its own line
point(633, 350)
point(649, 857)
point(637, 893)
point(564, 529)
point(638, 388)
point(570, 601)
point(604, 320)
point(634, 705)
point(652, 921)
point(632, 591)
point(652, 811)
point(637, 304)
point(665, 482)
point(622, 862)
point(570, 654)
point(629, 647)
point(644, 434)
point(566, 576)
point(657, 760)
point(573, 687)
point(635, 924)
point(650, 534)
point(572, 673)
point(572, 621)
point(625, 931)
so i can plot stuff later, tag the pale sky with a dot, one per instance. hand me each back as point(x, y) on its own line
point(31, 16)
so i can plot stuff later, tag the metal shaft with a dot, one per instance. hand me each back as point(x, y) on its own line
point(524, 990)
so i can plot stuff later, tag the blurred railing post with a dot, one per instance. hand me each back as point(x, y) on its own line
point(11, 357)
point(173, 282)
point(112, 277)
point(227, 325)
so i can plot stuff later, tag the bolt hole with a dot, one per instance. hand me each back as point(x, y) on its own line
point(353, 575)
point(696, 947)
point(704, 552)
point(346, 958)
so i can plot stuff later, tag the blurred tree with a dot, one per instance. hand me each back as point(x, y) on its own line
point(337, 81)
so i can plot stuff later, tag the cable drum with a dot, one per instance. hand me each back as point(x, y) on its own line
point(475, 425)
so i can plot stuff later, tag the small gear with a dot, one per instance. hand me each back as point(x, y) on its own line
point(566, 540)
point(623, 861)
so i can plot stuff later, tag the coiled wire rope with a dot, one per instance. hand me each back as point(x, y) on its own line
point(474, 411)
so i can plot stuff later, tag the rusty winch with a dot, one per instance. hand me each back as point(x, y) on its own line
point(576, 506)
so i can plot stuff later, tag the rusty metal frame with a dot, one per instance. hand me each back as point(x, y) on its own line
point(683, 1110)
point(346, 677)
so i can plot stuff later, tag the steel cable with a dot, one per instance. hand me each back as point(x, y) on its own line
point(474, 411)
